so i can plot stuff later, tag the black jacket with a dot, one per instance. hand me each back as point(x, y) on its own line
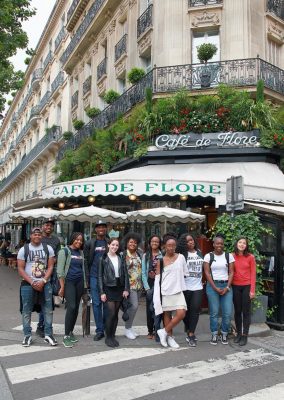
point(89, 253)
point(107, 274)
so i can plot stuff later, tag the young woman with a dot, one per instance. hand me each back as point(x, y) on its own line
point(168, 291)
point(133, 262)
point(243, 288)
point(113, 287)
point(72, 277)
point(187, 246)
point(219, 271)
point(149, 265)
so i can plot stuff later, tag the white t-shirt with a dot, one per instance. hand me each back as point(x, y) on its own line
point(194, 264)
point(219, 267)
point(114, 261)
point(36, 264)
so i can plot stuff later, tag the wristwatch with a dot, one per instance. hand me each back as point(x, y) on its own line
point(228, 288)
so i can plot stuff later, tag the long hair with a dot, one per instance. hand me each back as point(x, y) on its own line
point(74, 236)
point(182, 244)
point(148, 253)
point(246, 250)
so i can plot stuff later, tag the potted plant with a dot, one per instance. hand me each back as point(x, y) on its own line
point(67, 135)
point(135, 74)
point(92, 112)
point(204, 53)
point(78, 124)
point(110, 96)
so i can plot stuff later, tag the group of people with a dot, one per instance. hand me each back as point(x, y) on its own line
point(172, 273)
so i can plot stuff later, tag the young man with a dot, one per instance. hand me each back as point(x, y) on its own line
point(35, 266)
point(93, 251)
point(52, 240)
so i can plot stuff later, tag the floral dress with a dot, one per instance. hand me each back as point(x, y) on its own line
point(134, 267)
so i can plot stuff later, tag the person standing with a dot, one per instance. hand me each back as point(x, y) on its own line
point(243, 285)
point(219, 271)
point(48, 237)
point(187, 246)
point(113, 287)
point(35, 266)
point(93, 251)
point(72, 277)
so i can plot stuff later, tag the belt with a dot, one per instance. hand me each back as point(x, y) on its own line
point(221, 281)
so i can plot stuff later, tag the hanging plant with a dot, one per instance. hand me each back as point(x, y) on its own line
point(110, 96)
point(67, 135)
point(92, 112)
point(78, 124)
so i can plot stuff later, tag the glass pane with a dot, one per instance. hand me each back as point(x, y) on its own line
point(199, 38)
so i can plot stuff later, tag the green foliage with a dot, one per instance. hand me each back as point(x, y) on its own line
point(149, 100)
point(92, 112)
point(135, 75)
point(30, 52)
point(260, 91)
point(12, 37)
point(27, 60)
point(110, 96)
point(67, 135)
point(9, 102)
point(206, 51)
point(78, 124)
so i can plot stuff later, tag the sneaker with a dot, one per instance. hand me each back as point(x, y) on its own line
point(214, 340)
point(134, 333)
point(243, 340)
point(73, 338)
point(98, 336)
point(172, 343)
point(40, 331)
point(191, 341)
point(51, 340)
point(27, 341)
point(129, 334)
point(163, 337)
point(67, 341)
point(224, 339)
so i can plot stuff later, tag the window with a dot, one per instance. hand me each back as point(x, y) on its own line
point(35, 182)
point(44, 176)
point(31, 144)
point(46, 123)
point(144, 4)
point(210, 36)
point(121, 85)
point(58, 114)
point(37, 136)
point(273, 52)
point(146, 63)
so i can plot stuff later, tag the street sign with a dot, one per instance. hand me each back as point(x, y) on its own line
point(235, 193)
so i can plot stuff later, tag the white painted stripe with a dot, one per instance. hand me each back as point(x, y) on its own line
point(169, 378)
point(58, 329)
point(274, 392)
point(15, 349)
point(72, 364)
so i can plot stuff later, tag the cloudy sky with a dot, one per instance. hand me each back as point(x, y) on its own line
point(34, 27)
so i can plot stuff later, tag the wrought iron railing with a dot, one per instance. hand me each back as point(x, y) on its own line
point(12, 146)
point(37, 74)
point(120, 47)
point(276, 7)
point(22, 133)
point(25, 101)
point(145, 21)
point(87, 85)
point(58, 81)
point(101, 69)
point(72, 9)
point(197, 3)
point(47, 59)
point(53, 136)
point(35, 110)
point(239, 73)
point(74, 99)
point(59, 38)
point(44, 100)
point(89, 18)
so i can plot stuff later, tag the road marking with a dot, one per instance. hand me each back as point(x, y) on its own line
point(15, 349)
point(273, 392)
point(169, 378)
point(72, 364)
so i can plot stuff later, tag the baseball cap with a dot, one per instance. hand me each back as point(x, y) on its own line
point(100, 222)
point(49, 221)
point(36, 229)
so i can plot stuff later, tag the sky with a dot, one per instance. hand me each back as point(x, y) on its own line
point(34, 28)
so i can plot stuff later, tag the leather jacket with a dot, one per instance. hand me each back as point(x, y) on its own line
point(107, 274)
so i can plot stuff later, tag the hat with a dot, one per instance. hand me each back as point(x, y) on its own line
point(49, 221)
point(36, 229)
point(100, 222)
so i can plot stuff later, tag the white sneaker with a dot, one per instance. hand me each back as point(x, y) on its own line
point(163, 337)
point(134, 333)
point(129, 334)
point(172, 343)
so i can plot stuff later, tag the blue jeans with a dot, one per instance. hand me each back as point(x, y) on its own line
point(98, 308)
point(27, 301)
point(215, 300)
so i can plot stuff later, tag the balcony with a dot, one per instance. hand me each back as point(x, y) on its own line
point(101, 69)
point(87, 85)
point(120, 48)
point(50, 139)
point(145, 21)
point(14, 118)
point(57, 83)
point(47, 60)
point(45, 100)
point(61, 35)
point(276, 7)
point(75, 11)
point(25, 101)
point(202, 3)
point(34, 115)
point(12, 147)
point(36, 78)
point(22, 133)
point(74, 100)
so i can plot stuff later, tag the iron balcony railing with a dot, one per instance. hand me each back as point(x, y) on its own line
point(72, 9)
point(87, 85)
point(58, 81)
point(22, 133)
point(47, 59)
point(59, 38)
point(145, 21)
point(276, 7)
point(120, 47)
point(25, 101)
point(197, 3)
point(89, 18)
point(193, 77)
point(37, 74)
point(101, 69)
point(51, 137)
point(12, 146)
point(35, 111)
point(74, 99)
point(44, 100)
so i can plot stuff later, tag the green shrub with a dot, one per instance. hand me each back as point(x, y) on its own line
point(92, 112)
point(9, 102)
point(67, 135)
point(78, 124)
point(260, 91)
point(27, 60)
point(206, 51)
point(135, 74)
point(110, 96)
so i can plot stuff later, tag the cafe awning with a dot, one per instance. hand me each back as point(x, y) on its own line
point(262, 180)
point(269, 208)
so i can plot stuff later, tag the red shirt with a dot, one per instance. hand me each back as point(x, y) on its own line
point(245, 271)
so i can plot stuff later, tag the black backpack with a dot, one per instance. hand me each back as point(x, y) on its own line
point(227, 256)
point(27, 249)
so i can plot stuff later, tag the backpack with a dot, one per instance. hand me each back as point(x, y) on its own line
point(27, 249)
point(227, 256)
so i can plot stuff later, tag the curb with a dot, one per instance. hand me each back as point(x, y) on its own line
point(5, 393)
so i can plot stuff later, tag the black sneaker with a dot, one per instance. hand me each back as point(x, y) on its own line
point(27, 341)
point(110, 342)
point(214, 340)
point(191, 341)
point(243, 341)
point(224, 339)
point(98, 336)
point(51, 340)
point(40, 331)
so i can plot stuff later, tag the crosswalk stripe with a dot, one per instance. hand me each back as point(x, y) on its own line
point(17, 349)
point(273, 392)
point(169, 378)
point(72, 364)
